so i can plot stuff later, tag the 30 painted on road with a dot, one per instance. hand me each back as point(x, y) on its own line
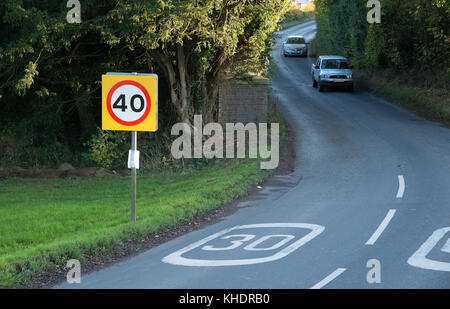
point(240, 237)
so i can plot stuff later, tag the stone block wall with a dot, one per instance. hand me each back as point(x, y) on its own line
point(244, 102)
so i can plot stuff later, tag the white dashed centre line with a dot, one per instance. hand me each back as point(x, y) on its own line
point(381, 227)
point(328, 279)
point(401, 186)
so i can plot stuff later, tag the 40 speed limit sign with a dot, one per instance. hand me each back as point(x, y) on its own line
point(130, 102)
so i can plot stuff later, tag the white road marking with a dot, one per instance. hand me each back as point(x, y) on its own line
point(235, 243)
point(446, 247)
point(328, 279)
point(282, 242)
point(419, 258)
point(401, 186)
point(176, 258)
point(381, 227)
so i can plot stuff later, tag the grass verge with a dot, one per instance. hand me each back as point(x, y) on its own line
point(427, 97)
point(292, 23)
point(45, 222)
point(295, 17)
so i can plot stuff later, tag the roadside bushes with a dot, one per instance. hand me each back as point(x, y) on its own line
point(295, 16)
point(405, 57)
point(106, 148)
point(50, 70)
point(411, 33)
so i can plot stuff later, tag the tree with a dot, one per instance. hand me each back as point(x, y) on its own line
point(412, 34)
point(50, 70)
point(194, 42)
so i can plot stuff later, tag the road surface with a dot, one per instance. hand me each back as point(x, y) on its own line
point(368, 205)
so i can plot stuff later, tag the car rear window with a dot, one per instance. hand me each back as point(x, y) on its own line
point(335, 64)
point(295, 41)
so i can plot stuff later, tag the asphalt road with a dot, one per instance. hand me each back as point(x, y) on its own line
point(372, 181)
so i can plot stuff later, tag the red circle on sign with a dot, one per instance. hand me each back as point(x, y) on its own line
point(147, 97)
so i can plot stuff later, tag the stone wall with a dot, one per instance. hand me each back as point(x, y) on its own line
point(244, 102)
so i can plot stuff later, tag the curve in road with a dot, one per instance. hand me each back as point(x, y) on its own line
point(352, 149)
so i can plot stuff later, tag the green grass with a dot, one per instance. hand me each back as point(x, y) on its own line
point(294, 17)
point(426, 97)
point(45, 222)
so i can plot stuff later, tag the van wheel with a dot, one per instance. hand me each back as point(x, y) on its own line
point(320, 87)
point(314, 84)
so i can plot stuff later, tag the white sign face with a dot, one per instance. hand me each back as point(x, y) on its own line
point(239, 240)
point(128, 103)
point(419, 258)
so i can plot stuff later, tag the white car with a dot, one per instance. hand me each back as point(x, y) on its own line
point(295, 45)
point(332, 71)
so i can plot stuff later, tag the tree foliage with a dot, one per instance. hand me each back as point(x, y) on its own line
point(412, 33)
point(50, 70)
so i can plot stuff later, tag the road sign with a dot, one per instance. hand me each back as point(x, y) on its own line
point(130, 102)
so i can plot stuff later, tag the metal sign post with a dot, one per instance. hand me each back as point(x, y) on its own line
point(133, 164)
point(133, 175)
point(130, 103)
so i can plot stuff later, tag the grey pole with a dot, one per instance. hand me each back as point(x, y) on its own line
point(133, 177)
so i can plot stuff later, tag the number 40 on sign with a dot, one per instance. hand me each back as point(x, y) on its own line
point(129, 102)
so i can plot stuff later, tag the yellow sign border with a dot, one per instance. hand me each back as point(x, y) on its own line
point(149, 82)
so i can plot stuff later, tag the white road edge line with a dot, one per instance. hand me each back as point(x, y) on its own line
point(381, 227)
point(328, 279)
point(401, 186)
